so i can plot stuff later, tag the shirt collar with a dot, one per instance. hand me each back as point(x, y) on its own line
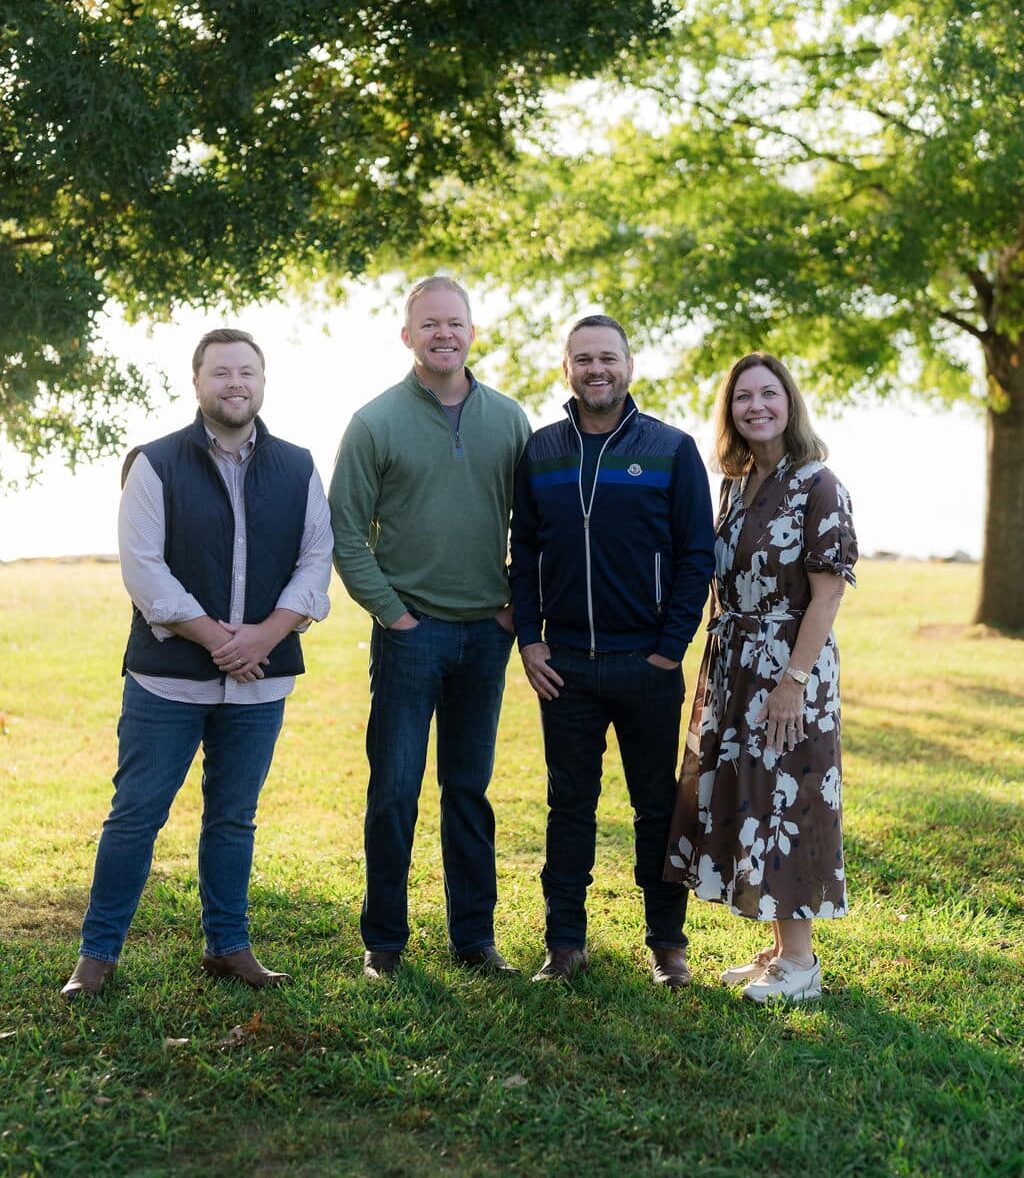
point(244, 450)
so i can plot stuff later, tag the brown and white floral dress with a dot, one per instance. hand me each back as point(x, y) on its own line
point(754, 829)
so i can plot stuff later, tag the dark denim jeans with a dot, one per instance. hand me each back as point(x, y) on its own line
point(456, 670)
point(157, 740)
point(643, 703)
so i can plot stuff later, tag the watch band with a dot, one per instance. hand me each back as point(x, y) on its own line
point(800, 676)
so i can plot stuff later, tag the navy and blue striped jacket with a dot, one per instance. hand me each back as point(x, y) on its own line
point(627, 569)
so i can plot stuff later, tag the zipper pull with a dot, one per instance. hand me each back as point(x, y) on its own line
point(586, 522)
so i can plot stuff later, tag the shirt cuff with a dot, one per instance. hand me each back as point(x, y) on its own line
point(167, 611)
point(311, 603)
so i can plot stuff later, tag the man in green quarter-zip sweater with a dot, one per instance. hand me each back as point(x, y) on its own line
point(420, 503)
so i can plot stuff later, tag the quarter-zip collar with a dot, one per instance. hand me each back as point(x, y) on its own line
point(421, 389)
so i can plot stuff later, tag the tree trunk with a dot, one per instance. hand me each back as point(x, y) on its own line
point(1002, 566)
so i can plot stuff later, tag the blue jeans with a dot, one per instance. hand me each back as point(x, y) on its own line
point(643, 703)
point(456, 670)
point(157, 740)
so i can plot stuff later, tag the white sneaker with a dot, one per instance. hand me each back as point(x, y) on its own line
point(782, 979)
point(738, 975)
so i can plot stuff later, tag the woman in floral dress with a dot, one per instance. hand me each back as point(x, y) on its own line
point(758, 822)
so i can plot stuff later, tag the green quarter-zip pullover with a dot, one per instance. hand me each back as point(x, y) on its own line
point(420, 511)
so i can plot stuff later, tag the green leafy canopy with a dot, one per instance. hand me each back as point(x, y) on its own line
point(217, 152)
point(839, 183)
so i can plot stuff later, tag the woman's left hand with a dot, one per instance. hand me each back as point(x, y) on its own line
point(783, 714)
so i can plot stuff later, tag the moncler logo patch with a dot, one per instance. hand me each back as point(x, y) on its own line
point(635, 469)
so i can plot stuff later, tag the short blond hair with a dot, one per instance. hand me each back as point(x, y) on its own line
point(732, 454)
point(436, 282)
point(225, 335)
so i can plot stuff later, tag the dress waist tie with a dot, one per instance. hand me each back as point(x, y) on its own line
point(725, 624)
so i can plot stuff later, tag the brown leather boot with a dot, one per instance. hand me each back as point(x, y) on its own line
point(90, 976)
point(380, 965)
point(486, 960)
point(560, 965)
point(244, 966)
point(669, 968)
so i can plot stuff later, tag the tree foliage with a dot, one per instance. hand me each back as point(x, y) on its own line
point(220, 151)
point(842, 184)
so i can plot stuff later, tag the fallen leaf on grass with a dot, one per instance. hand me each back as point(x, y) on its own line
point(7, 1034)
point(172, 1043)
point(515, 1081)
point(243, 1031)
point(104, 1099)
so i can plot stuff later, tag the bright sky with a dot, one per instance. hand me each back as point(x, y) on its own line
point(915, 473)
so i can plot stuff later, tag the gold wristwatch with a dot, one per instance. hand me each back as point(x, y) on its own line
point(800, 676)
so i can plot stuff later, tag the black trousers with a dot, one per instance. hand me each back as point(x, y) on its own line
point(643, 704)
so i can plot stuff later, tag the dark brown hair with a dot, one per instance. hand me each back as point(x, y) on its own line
point(597, 321)
point(224, 335)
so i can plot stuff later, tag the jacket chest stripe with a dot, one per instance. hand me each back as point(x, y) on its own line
point(555, 478)
point(646, 478)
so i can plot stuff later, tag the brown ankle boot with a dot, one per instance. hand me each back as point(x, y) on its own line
point(90, 976)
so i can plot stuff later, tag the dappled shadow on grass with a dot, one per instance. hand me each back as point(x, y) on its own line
point(445, 1070)
point(933, 857)
point(893, 743)
point(610, 1077)
point(35, 911)
point(935, 834)
point(988, 696)
point(476, 1076)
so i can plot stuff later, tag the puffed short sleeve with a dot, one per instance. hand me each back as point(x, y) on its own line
point(830, 543)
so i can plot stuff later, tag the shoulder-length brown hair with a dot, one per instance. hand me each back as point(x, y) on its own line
point(732, 454)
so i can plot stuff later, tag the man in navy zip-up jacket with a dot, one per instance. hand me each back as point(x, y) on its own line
point(612, 554)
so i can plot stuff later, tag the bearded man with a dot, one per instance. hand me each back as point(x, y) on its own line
point(225, 542)
point(612, 553)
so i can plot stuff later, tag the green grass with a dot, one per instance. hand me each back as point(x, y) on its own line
point(910, 1064)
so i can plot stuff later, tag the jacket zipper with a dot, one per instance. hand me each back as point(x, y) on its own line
point(657, 580)
point(587, 509)
point(540, 580)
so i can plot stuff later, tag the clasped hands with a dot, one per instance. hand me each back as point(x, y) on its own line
point(244, 652)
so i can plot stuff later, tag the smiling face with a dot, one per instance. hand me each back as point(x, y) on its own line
point(598, 370)
point(439, 332)
point(229, 385)
point(760, 409)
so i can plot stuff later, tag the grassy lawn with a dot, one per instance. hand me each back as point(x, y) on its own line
point(912, 1063)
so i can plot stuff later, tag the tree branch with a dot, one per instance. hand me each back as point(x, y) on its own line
point(964, 325)
point(985, 292)
point(810, 152)
point(888, 117)
point(31, 239)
